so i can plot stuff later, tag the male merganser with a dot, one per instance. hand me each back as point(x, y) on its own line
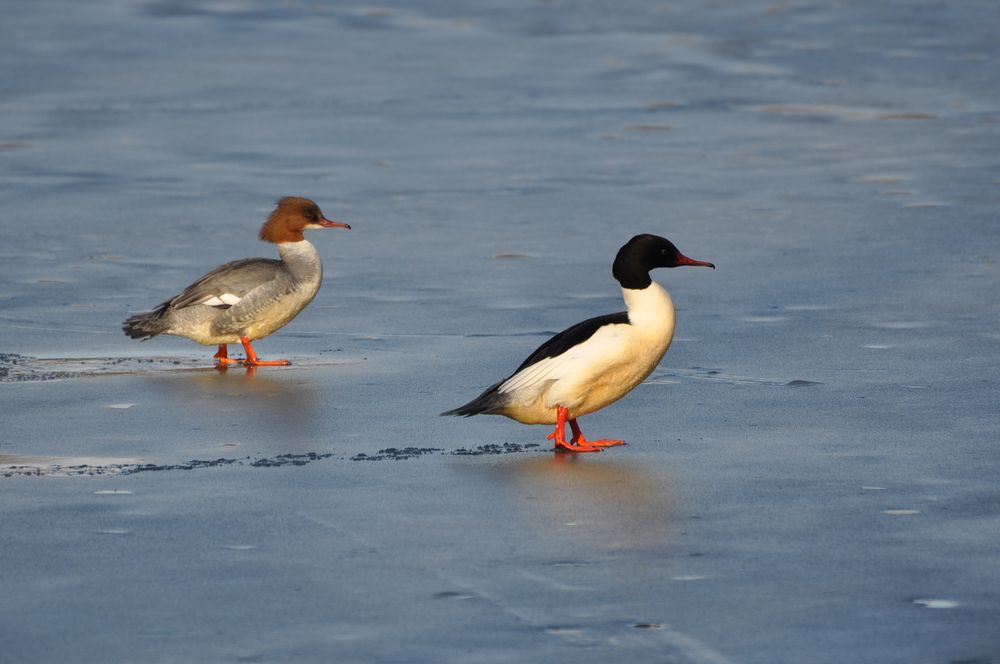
point(247, 299)
point(594, 363)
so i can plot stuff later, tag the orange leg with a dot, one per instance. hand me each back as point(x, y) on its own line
point(578, 438)
point(252, 359)
point(559, 435)
point(223, 356)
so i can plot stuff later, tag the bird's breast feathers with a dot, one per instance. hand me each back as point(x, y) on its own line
point(601, 369)
point(615, 354)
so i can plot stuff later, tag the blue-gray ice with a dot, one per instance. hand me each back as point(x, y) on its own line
point(810, 476)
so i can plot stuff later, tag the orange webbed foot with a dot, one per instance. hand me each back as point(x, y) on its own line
point(254, 361)
point(576, 448)
point(597, 444)
point(579, 439)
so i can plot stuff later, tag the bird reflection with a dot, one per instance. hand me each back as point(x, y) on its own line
point(271, 399)
point(613, 504)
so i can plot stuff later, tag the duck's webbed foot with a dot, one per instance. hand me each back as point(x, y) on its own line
point(254, 361)
point(579, 440)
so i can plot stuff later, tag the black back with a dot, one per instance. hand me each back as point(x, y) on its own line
point(491, 400)
point(573, 336)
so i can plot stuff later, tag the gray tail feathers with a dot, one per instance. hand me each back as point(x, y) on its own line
point(488, 402)
point(147, 325)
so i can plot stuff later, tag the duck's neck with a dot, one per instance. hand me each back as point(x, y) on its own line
point(650, 309)
point(301, 259)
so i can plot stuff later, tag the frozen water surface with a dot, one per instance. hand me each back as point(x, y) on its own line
point(811, 470)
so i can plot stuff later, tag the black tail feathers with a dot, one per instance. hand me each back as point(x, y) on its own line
point(147, 325)
point(488, 402)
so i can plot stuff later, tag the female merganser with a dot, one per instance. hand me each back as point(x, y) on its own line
point(247, 299)
point(594, 363)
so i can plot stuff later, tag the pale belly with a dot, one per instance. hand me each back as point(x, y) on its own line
point(589, 391)
point(210, 326)
point(271, 321)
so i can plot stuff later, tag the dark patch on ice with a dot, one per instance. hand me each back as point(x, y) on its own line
point(266, 462)
point(511, 256)
point(396, 453)
point(453, 594)
point(290, 460)
point(55, 468)
point(187, 465)
point(7, 362)
point(16, 368)
point(492, 448)
point(21, 368)
point(402, 453)
point(718, 376)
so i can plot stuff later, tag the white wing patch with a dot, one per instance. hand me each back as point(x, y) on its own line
point(224, 300)
point(604, 349)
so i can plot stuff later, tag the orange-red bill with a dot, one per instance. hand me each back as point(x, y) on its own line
point(684, 260)
point(333, 224)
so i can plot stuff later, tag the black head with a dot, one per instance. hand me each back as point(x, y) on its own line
point(644, 253)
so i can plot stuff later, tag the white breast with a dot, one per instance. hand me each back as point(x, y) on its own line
point(651, 311)
point(601, 370)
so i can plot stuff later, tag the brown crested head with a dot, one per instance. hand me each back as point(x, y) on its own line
point(292, 216)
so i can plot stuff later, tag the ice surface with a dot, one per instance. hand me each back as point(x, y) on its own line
point(818, 451)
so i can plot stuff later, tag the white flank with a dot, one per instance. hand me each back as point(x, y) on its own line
point(604, 348)
point(600, 370)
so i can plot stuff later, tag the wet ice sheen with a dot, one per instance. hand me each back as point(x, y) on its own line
point(937, 603)
point(491, 157)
